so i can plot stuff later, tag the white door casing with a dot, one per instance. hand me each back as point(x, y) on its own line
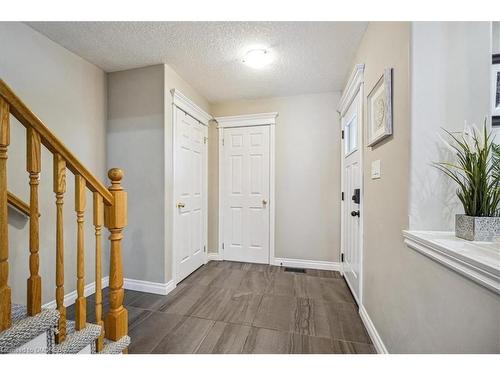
point(351, 120)
point(189, 187)
point(246, 188)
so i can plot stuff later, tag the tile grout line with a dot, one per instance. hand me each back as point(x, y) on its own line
point(205, 336)
point(174, 328)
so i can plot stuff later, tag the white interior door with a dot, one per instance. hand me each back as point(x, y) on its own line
point(190, 173)
point(352, 195)
point(246, 194)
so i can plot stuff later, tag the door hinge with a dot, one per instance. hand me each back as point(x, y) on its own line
point(223, 141)
point(342, 195)
point(205, 140)
point(342, 257)
point(223, 246)
point(342, 134)
point(204, 248)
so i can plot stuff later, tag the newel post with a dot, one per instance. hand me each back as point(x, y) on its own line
point(116, 321)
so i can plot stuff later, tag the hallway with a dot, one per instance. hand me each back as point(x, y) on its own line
point(230, 307)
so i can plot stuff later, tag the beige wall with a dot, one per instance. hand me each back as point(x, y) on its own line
point(140, 141)
point(307, 173)
point(69, 96)
point(213, 187)
point(416, 304)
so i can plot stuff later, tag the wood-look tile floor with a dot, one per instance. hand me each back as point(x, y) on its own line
point(231, 307)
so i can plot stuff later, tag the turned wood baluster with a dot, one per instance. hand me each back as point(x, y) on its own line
point(98, 221)
point(5, 292)
point(59, 190)
point(116, 321)
point(80, 303)
point(33, 167)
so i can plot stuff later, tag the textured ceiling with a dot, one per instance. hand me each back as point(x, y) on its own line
point(309, 56)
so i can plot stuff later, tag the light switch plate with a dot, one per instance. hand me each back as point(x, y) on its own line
point(375, 169)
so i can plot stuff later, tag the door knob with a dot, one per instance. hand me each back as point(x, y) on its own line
point(264, 202)
point(181, 205)
point(355, 213)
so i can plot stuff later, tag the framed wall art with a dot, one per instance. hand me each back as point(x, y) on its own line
point(379, 107)
point(495, 90)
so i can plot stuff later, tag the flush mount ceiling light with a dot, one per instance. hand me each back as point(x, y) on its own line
point(257, 58)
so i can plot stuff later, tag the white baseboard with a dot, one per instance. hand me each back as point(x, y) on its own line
point(214, 256)
point(149, 286)
point(303, 263)
point(70, 298)
point(372, 331)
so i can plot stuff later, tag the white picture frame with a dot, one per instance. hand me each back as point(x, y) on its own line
point(379, 109)
point(495, 90)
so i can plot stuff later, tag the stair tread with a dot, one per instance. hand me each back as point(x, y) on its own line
point(77, 340)
point(25, 328)
point(115, 347)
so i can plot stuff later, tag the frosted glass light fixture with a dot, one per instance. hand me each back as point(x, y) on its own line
point(257, 58)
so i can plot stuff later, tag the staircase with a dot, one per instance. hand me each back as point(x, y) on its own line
point(29, 328)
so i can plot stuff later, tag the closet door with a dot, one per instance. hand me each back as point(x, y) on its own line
point(246, 194)
point(190, 175)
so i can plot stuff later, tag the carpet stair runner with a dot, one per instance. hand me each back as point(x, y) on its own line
point(26, 328)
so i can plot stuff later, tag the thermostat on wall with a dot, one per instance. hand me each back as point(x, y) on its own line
point(375, 169)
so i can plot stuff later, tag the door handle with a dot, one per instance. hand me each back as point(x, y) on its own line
point(355, 213)
point(264, 202)
point(181, 205)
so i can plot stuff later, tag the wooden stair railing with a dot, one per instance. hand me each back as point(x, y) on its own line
point(109, 208)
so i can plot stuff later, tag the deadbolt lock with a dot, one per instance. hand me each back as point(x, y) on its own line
point(264, 202)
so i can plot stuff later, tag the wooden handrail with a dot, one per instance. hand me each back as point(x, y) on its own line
point(18, 204)
point(22, 113)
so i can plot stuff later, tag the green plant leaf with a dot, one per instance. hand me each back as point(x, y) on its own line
point(476, 172)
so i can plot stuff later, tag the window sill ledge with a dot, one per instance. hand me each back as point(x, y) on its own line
point(478, 261)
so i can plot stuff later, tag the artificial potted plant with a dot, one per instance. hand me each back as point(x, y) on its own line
point(477, 173)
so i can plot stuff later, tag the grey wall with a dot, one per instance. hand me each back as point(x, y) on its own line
point(417, 305)
point(135, 143)
point(450, 84)
point(307, 173)
point(69, 96)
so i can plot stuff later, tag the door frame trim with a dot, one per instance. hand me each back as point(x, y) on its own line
point(187, 106)
point(249, 120)
point(354, 86)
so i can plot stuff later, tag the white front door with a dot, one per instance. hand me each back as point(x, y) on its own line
point(246, 194)
point(352, 195)
point(190, 196)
